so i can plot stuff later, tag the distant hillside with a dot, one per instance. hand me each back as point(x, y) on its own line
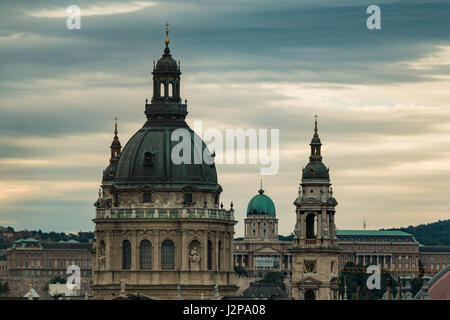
point(432, 234)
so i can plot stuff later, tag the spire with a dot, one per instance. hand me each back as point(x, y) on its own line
point(315, 144)
point(315, 123)
point(116, 147)
point(261, 191)
point(167, 34)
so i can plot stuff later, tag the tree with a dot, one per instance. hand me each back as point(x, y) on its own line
point(275, 277)
point(241, 271)
point(4, 288)
point(58, 279)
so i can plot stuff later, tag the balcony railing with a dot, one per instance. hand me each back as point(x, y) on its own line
point(164, 213)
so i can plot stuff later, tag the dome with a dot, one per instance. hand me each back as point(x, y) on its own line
point(109, 172)
point(166, 63)
point(315, 170)
point(146, 159)
point(261, 204)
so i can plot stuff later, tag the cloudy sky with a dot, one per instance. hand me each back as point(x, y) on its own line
point(382, 97)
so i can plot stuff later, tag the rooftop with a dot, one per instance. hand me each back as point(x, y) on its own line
point(372, 233)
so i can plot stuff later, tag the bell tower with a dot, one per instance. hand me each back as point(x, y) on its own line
point(166, 106)
point(315, 250)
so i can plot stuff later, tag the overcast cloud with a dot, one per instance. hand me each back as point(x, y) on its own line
point(382, 97)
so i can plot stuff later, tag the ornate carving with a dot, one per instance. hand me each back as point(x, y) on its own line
point(194, 260)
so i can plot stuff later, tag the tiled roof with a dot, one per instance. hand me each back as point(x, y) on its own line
point(372, 233)
point(67, 245)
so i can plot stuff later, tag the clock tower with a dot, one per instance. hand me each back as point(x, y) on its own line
point(315, 250)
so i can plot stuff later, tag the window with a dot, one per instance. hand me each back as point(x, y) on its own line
point(145, 255)
point(219, 254)
point(167, 255)
point(126, 255)
point(147, 197)
point(310, 234)
point(188, 197)
point(209, 255)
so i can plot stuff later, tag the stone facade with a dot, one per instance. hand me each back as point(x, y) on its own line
point(38, 262)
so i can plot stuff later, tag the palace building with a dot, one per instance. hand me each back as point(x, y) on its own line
point(315, 250)
point(261, 250)
point(160, 227)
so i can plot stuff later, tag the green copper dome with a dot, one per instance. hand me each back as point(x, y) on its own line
point(261, 204)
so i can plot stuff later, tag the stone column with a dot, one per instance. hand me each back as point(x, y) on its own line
point(156, 251)
point(184, 251)
point(204, 258)
point(319, 224)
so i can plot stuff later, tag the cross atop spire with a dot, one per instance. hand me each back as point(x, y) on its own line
point(167, 34)
point(261, 191)
point(315, 123)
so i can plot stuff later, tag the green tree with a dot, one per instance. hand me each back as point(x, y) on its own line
point(4, 288)
point(240, 271)
point(58, 279)
point(275, 277)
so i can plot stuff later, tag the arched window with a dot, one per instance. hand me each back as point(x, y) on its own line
point(310, 226)
point(209, 255)
point(126, 255)
point(147, 197)
point(145, 255)
point(167, 255)
point(171, 89)
point(188, 197)
point(161, 89)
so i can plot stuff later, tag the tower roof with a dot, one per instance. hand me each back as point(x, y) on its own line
point(315, 169)
point(261, 204)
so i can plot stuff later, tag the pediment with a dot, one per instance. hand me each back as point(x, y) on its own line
point(310, 201)
point(145, 188)
point(310, 281)
point(189, 188)
point(267, 250)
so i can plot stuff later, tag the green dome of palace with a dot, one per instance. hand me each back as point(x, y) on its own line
point(261, 204)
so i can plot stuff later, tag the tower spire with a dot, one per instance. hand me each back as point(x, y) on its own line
point(315, 144)
point(116, 147)
point(167, 34)
point(315, 123)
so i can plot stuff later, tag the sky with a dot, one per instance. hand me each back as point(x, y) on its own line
point(382, 97)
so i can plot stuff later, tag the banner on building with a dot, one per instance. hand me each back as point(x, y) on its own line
point(266, 262)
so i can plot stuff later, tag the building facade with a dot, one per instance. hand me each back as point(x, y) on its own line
point(261, 250)
point(433, 259)
point(35, 261)
point(159, 222)
point(315, 250)
point(396, 252)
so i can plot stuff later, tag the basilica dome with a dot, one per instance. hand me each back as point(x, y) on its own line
point(146, 159)
point(261, 204)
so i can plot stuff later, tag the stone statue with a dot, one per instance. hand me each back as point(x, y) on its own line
point(102, 256)
point(194, 260)
point(323, 197)
point(122, 288)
